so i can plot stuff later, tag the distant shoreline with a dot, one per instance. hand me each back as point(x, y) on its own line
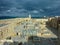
point(12, 17)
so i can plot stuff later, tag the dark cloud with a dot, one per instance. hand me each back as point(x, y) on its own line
point(35, 7)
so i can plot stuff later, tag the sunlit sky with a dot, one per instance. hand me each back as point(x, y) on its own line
point(33, 7)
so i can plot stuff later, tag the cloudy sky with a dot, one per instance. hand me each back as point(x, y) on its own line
point(34, 7)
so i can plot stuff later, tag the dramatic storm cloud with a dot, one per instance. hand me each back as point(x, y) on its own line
point(34, 7)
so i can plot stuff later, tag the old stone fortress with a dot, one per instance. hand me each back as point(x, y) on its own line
point(10, 28)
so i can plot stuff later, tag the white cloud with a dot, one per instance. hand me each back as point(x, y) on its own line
point(8, 10)
point(41, 10)
point(35, 11)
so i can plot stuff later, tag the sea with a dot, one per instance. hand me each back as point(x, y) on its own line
point(11, 17)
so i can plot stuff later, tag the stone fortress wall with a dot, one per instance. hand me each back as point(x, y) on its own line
point(54, 22)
